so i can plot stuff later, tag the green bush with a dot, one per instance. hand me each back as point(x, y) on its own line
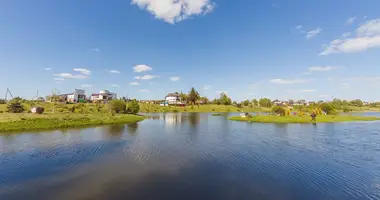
point(2, 101)
point(327, 108)
point(347, 109)
point(15, 106)
point(279, 110)
point(117, 106)
point(133, 107)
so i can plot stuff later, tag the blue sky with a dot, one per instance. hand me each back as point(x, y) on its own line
point(147, 48)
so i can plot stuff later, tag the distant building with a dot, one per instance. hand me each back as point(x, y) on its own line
point(77, 96)
point(173, 98)
point(103, 96)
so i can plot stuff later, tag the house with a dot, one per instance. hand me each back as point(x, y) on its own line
point(103, 96)
point(77, 96)
point(173, 98)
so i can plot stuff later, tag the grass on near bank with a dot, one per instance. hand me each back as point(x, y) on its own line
point(304, 119)
point(10, 122)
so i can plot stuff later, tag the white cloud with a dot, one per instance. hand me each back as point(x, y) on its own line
point(73, 76)
point(134, 83)
point(115, 85)
point(95, 50)
point(282, 81)
point(86, 86)
point(47, 69)
point(207, 87)
point(350, 20)
point(145, 77)
point(313, 33)
point(59, 79)
point(173, 11)
point(323, 95)
point(347, 34)
point(174, 78)
point(114, 72)
point(144, 90)
point(82, 70)
point(299, 27)
point(319, 69)
point(367, 37)
point(141, 68)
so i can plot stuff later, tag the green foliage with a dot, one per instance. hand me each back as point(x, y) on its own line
point(327, 108)
point(265, 102)
point(183, 97)
point(224, 99)
point(15, 106)
point(2, 101)
point(347, 109)
point(133, 107)
point(193, 96)
point(279, 110)
point(357, 102)
point(255, 102)
point(117, 106)
point(246, 103)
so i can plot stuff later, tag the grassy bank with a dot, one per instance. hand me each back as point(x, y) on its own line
point(304, 119)
point(10, 122)
point(145, 107)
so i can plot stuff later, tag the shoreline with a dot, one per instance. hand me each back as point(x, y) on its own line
point(304, 120)
point(32, 122)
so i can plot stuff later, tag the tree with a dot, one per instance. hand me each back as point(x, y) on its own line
point(193, 96)
point(255, 102)
point(291, 101)
point(224, 99)
point(183, 97)
point(265, 102)
point(117, 106)
point(357, 102)
point(15, 106)
point(2, 101)
point(327, 108)
point(279, 110)
point(133, 107)
point(204, 100)
point(246, 103)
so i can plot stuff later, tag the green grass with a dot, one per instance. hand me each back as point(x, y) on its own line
point(10, 122)
point(304, 119)
point(219, 114)
point(145, 107)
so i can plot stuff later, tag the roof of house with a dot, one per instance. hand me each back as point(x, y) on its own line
point(172, 95)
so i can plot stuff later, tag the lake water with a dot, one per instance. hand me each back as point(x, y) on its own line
point(194, 156)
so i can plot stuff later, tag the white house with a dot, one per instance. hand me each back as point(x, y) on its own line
point(103, 95)
point(173, 98)
point(76, 96)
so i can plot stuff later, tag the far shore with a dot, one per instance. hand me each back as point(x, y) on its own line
point(303, 119)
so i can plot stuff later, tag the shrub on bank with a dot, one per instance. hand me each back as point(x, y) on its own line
point(15, 106)
point(117, 106)
point(279, 110)
point(132, 107)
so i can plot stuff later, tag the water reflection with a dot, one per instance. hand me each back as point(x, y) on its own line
point(194, 156)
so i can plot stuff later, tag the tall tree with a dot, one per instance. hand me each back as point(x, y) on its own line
point(184, 97)
point(255, 102)
point(224, 99)
point(193, 96)
point(265, 102)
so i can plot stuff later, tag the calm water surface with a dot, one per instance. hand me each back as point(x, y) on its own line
point(194, 156)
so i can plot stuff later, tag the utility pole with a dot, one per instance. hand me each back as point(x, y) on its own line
point(6, 94)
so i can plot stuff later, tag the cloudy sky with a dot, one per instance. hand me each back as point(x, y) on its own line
point(147, 48)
